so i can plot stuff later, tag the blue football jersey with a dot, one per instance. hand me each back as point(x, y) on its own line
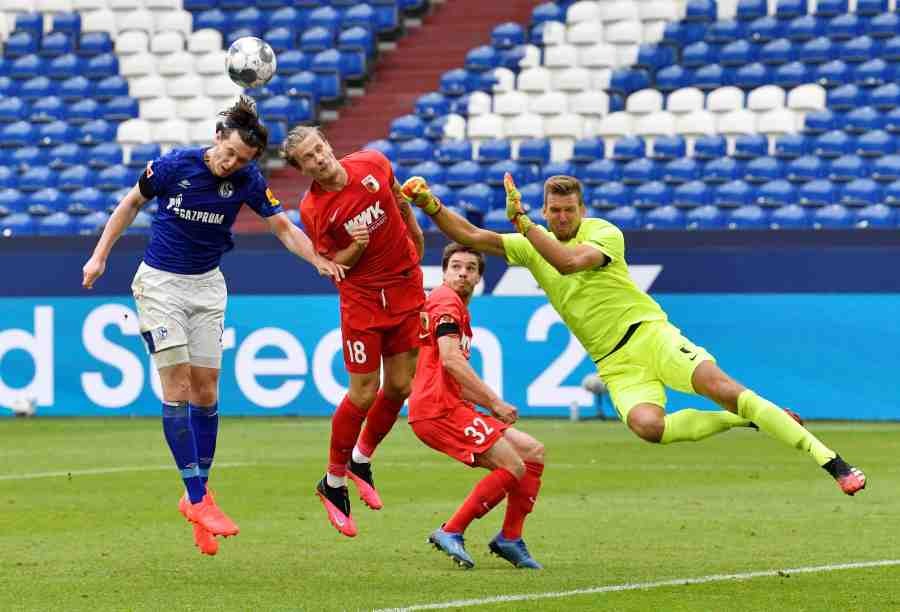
point(196, 209)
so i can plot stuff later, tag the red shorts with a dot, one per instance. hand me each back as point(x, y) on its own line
point(462, 433)
point(364, 346)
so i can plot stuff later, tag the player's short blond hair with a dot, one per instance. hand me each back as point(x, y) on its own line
point(563, 185)
point(293, 139)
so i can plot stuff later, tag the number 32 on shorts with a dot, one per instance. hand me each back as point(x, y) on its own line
point(478, 430)
point(356, 351)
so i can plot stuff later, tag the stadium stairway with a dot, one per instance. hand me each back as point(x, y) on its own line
point(413, 68)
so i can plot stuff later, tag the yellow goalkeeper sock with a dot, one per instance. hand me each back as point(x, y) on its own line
point(776, 422)
point(690, 425)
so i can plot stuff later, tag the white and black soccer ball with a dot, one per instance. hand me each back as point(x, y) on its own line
point(250, 62)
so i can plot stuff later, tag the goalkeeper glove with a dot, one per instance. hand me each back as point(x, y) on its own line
point(514, 211)
point(415, 191)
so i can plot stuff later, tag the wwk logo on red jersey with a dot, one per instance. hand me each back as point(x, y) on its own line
point(371, 184)
point(369, 217)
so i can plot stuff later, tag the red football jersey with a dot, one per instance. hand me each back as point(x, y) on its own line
point(434, 390)
point(390, 259)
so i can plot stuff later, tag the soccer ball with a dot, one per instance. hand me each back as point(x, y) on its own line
point(250, 62)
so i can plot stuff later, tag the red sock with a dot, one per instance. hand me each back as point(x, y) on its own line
point(345, 426)
point(489, 492)
point(382, 416)
point(521, 500)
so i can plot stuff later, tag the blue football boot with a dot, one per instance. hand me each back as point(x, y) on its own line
point(513, 551)
point(453, 545)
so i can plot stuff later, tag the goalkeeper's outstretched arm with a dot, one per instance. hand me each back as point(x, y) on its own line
point(454, 226)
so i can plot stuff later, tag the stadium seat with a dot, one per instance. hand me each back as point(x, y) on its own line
point(85, 200)
point(748, 217)
point(664, 217)
point(534, 150)
point(806, 168)
point(832, 216)
point(625, 217)
point(464, 173)
point(611, 195)
point(861, 192)
point(887, 168)
point(875, 216)
point(762, 170)
point(819, 192)
point(652, 195)
point(691, 194)
point(680, 170)
point(477, 197)
point(790, 217)
point(453, 151)
point(705, 217)
point(18, 224)
point(494, 150)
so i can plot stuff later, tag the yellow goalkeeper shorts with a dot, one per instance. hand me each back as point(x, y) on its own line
point(656, 356)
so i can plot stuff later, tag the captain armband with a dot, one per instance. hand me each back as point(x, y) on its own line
point(446, 327)
point(144, 184)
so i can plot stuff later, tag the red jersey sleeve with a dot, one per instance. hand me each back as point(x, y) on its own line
point(443, 304)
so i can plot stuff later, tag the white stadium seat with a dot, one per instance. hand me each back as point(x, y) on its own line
point(220, 86)
point(698, 123)
point(506, 80)
point(204, 41)
point(479, 103)
point(485, 127)
point(585, 10)
point(807, 98)
point(526, 125)
point(657, 10)
point(727, 9)
point(620, 10)
point(563, 131)
point(455, 127)
point(534, 80)
point(184, 86)
point(653, 30)
point(778, 121)
point(511, 103)
point(741, 121)
point(82, 6)
point(124, 5)
point(615, 125)
point(148, 87)
point(624, 32)
point(139, 64)
point(132, 42)
point(180, 62)
point(99, 21)
point(53, 6)
point(584, 33)
point(725, 99)
point(627, 54)
point(163, 5)
point(210, 63)
point(202, 131)
point(573, 80)
point(550, 103)
point(600, 55)
point(588, 103)
point(173, 132)
point(140, 19)
point(134, 131)
point(554, 33)
point(644, 101)
point(655, 124)
point(195, 109)
point(685, 100)
point(561, 56)
point(766, 98)
point(532, 57)
point(175, 20)
point(158, 109)
point(164, 43)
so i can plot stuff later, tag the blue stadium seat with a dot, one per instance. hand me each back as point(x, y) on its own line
point(818, 51)
point(29, 22)
point(680, 170)
point(55, 44)
point(76, 177)
point(892, 121)
point(27, 67)
point(214, 19)
point(805, 27)
point(640, 170)
point(587, 150)
point(431, 171)
point(28, 156)
point(673, 77)
point(833, 143)
point(8, 179)
point(198, 6)
point(892, 193)
point(763, 169)
point(359, 15)
point(66, 67)
point(702, 11)
point(859, 49)
point(792, 74)
point(779, 192)
point(875, 216)
point(845, 27)
point(414, 151)
point(115, 177)
point(292, 62)
point(862, 119)
point(831, 8)
point(464, 173)
point(522, 173)
point(17, 134)
point(481, 59)
point(652, 195)
point(873, 73)
point(705, 217)
point(875, 143)
point(277, 133)
point(69, 22)
point(120, 108)
point(91, 224)
point(477, 197)
point(601, 171)
point(406, 127)
point(820, 122)
point(748, 217)
point(818, 192)
point(710, 147)
point(846, 168)
point(724, 32)
point(861, 192)
point(18, 224)
point(512, 58)
point(611, 195)
point(302, 84)
point(777, 52)
point(692, 195)
point(91, 44)
point(105, 154)
point(317, 39)
point(111, 87)
point(833, 216)
point(654, 57)
point(455, 82)
point(884, 26)
point(891, 49)
point(886, 169)
point(384, 146)
point(806, 168)
point(886, 97)
point(12, 201)
point(21, 44)
point(494, 150)
point(749, 146)
point(709, 77)
point(12, 109)
point(752, 76)
point(280, 39)
point(625, 217)
point(507, 35)
point(47, 201)
point(628, 148)
point(791, 146)
point(871, 7)
point(358, 39)
point(738, 53)
point(733, 194)
point(494, 220)
point(289, 17)
point(84, 111)
point(324, 17)
point(765, 29)
point(248, 18)
point(348, 64)
point(834, 73)
point(790, 217)
point(748, 10)
point(698, 54)
point(56, 133)
point(143, 153)
point(445, 194)
point(452, 151)
point(102, 66)
point(534, 150)
point(75, 89)
point(85, 201)
point(533, 195)
point(664, 217)
point(666, 148)
point(564, 168)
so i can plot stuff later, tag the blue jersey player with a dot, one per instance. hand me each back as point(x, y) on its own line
point(180, 292)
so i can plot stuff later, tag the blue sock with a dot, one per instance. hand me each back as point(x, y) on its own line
point(205, 423)
point(177, 429)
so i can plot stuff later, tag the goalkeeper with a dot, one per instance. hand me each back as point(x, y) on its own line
point(580, 264)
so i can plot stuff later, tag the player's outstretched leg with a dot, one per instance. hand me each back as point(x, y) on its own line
point(850, 479)
point(513, 551)
point(337, 504)
point(208, 515)
point(360, 472)
point(453, 545)
point(203, 539)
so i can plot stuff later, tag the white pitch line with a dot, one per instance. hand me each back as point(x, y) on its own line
point(110, 470)
point(640, 586)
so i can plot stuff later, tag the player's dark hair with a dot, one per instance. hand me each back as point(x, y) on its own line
point(243, 118)
point(563, 185)
point(294, 137)
point(454, 247)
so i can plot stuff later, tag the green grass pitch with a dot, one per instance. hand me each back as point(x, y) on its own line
point(88, 521)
